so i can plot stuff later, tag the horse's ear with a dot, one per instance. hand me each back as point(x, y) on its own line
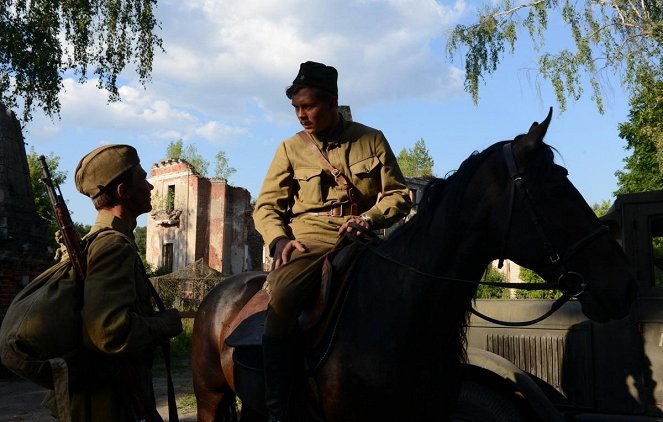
point(532, 139)
point(538, 131)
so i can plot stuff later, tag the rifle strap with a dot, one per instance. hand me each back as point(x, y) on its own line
point(165, 349)
point(338, 175)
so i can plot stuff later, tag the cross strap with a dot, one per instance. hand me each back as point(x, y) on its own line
point(338, 175)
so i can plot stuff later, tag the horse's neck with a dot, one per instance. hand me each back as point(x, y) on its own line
point(438, 252)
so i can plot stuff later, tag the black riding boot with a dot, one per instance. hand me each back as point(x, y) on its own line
point(277, 357)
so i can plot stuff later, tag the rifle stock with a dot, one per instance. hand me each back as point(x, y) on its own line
point(72, 242)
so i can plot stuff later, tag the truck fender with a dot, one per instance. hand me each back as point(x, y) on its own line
point(506, 370)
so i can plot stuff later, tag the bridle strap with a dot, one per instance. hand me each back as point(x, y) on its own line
point(519, 185)
point(370, 236)
point(573, 249)
point(553, 308)
point(515, 176)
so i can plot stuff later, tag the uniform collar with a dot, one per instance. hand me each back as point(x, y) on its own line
point(106, 220)
point(333, 138)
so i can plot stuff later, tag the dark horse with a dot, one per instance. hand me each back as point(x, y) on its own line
point(399, 338)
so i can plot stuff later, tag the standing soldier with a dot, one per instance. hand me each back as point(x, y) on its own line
point(121, 330)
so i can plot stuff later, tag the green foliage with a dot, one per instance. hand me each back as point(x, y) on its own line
point(175, 149)
point(416, 162)
point(195, 159)
point(41, 40)
point(617, 36)
point(643, 133)
point(657, 251)
point(82, 229)
point(529, 276)
point(492, 292)
point(155, 272)
point(601, 209)
point(43, 204)
point(140, 235)
point(223, 169)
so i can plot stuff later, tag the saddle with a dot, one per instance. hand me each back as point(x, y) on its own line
point(316, 328)
point(317, 317)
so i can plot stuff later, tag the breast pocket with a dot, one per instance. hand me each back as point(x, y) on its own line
point(309, 184)
point(366, 174)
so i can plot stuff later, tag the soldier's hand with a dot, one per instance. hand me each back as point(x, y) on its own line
point(284, 249)
point(347, 227)
point(172, 320)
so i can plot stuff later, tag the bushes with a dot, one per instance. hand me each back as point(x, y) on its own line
point(529, 276)
point(491, 292)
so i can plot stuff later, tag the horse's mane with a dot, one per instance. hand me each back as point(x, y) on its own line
point(442, 196)
point(441, 199)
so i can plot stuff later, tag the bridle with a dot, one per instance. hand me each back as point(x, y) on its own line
point(570, 283)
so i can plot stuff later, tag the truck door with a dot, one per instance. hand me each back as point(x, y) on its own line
point(643, 242)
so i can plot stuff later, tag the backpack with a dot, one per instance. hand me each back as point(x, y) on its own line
point(42, 329)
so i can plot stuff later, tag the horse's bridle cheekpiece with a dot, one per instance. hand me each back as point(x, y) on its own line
point(570, 283)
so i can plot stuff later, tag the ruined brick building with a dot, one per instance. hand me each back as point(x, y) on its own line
point(195, 217)
point(24, 246)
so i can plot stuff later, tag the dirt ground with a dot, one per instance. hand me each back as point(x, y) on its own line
point(21, 400)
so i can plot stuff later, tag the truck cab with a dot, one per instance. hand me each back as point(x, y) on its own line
point(567, 367)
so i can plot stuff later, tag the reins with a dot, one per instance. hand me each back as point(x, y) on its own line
point(570, 283)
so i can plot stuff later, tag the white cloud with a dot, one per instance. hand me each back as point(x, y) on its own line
point(228, 63)
point(227, 53)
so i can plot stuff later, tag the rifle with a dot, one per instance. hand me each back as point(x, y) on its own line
point(72, 242)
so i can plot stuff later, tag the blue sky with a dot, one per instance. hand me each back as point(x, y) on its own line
point(220, 86)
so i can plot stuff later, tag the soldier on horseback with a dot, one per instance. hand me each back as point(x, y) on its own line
point(323, 182)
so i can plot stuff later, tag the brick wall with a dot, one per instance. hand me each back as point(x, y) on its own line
point(214, 222)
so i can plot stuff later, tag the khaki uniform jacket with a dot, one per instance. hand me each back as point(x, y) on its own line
point(296, 183)
point(119, 324)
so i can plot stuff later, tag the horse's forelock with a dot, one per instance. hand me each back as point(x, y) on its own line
point(540, 163)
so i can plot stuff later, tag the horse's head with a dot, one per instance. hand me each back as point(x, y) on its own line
point(551, 229)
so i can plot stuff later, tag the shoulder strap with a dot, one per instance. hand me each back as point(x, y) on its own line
point(338, 175)
point(316, 151)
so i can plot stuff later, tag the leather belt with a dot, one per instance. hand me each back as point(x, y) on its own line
point(334, 211)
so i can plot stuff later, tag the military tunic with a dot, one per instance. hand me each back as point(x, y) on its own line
point(297, 190)
point(119, 325)
point(296, 184)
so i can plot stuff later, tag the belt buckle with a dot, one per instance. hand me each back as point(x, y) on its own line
point(333, 212)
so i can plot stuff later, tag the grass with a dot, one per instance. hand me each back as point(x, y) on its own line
point(186, 403)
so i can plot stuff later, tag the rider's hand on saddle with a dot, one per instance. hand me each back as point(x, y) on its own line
point(347, 227)
point(283, 250)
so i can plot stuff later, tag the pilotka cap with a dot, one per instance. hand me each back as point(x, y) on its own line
point(317, 75)
point(103, 165)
